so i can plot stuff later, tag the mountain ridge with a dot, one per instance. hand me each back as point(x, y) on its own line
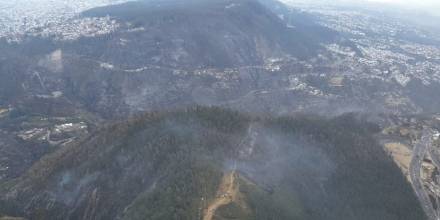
point(143, 167)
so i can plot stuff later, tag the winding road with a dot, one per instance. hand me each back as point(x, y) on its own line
point(420, 149)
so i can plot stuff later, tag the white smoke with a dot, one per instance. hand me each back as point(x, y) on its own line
point(428, 6)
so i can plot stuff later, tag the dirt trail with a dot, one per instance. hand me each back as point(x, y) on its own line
point(227, 193)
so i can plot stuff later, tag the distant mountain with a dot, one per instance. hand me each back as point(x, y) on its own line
point(206, 162)
point(164, 54)
point(209, 34)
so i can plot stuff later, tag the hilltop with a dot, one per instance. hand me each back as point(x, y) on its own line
point(185, 164)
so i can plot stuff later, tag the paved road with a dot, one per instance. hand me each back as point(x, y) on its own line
point(435, 155)
point(420, 149)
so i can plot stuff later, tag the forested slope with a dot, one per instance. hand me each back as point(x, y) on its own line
point(169, 165)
